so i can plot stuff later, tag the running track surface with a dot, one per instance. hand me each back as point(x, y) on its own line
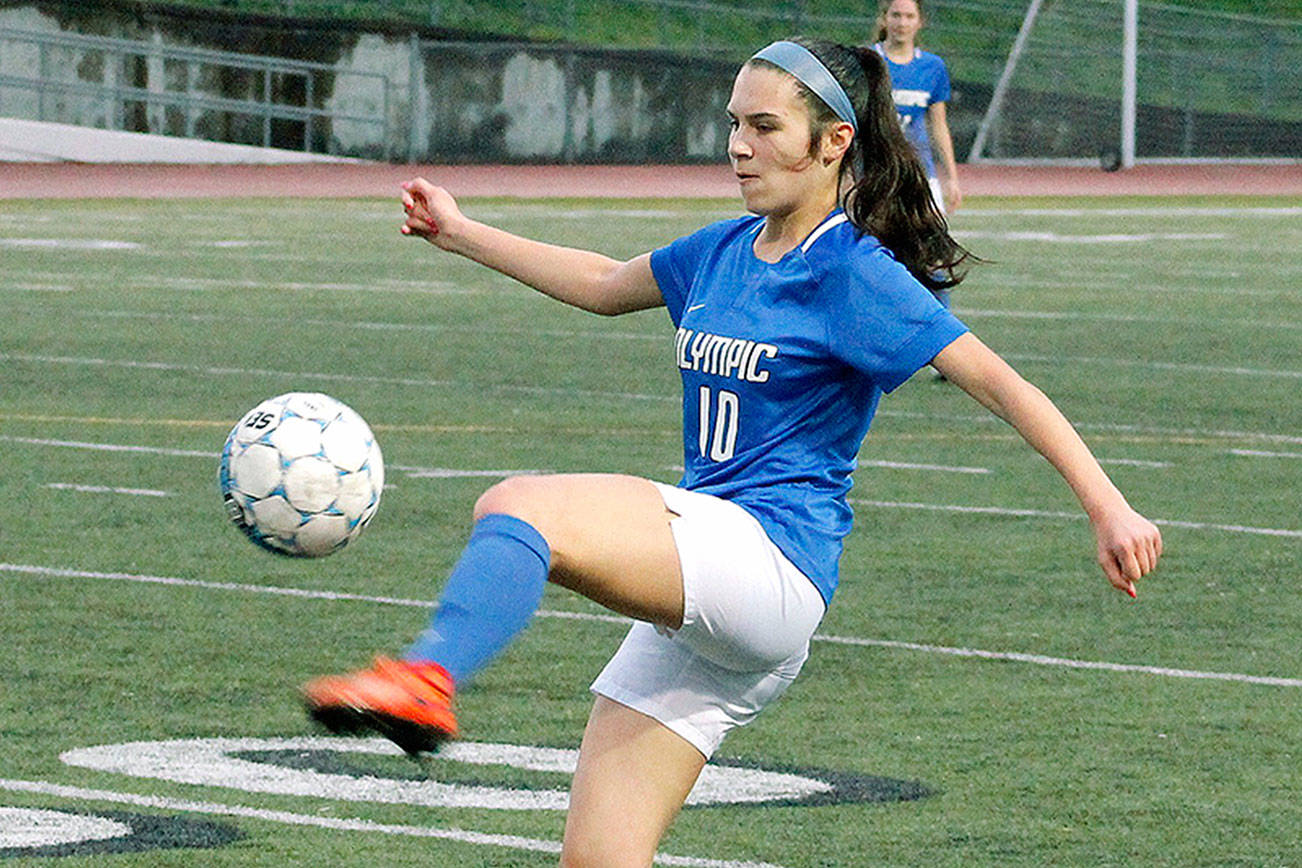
point(85, 180)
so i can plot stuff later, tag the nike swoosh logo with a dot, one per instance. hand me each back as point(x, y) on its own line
point(695, 307)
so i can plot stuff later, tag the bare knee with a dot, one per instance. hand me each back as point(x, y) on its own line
point(516, 496)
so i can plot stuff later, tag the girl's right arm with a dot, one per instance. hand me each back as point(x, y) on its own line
point(581, 278)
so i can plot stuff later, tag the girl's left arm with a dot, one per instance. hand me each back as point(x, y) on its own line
point(1129, 545)
point(943, 142)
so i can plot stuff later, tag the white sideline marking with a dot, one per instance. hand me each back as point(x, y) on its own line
point(658, 337)
point(1136, 462)
point(444, 473)
point(1040, 513)
point(107, 489)
point(1036, 659)
point(1042, 660)
point(213, 370)
point(1249, 211)
point(449, 473)
point(1160, 366)
point(940, 468)
point(1058, 238)
point(991, 419)
point(108, 447)
point(432, 287)
point(36, 287)
point(464, 836)
point(1257, 453)
point(1191, 432)
point(413, 472)
point(334, 378)
point(70, 243)
point(977, 313)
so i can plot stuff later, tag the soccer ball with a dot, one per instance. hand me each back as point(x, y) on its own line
point(301, 474)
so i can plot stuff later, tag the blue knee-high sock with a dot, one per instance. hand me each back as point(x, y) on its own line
point(490, 597)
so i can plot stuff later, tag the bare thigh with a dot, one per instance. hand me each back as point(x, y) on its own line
point(632, 779)
point(609, 537)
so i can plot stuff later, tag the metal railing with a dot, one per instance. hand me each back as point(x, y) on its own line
point(286, 90)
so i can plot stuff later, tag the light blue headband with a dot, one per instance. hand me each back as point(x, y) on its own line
point(810, 71)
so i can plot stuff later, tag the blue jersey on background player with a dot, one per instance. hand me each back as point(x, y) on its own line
point(915, 87)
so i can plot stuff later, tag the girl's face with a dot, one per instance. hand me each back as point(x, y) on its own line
point(903, 21)
point(769, 144)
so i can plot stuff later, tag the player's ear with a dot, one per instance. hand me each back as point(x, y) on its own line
point(836, 141)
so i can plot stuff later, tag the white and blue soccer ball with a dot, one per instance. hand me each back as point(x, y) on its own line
point(301, 474)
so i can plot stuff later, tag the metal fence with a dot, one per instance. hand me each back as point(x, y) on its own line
point(145, 86)
point(1208, 86)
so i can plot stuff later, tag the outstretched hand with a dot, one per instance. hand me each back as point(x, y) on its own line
point(1129, 546)
point(431, 211)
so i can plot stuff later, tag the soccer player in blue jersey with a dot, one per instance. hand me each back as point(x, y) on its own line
point(791, 324)
point(920, 89)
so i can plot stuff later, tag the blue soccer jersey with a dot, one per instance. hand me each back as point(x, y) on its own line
point(915, 86)
point(783, 365)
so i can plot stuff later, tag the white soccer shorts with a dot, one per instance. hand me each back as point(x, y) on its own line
point(748, 616)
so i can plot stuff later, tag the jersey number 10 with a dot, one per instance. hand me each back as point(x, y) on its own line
point(723, 443)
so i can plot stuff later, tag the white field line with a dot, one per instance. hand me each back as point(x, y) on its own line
point(1042, 660)
point(1248, 211)
point(990, 419)
point(413, 472)
point(451, 473)
point(1157, 366)
point(1192, 432)
point(657, 337)
point(464, 836)
point(1059, 238)
point(1012, 656)
point(939, 468)
point(215, 371)
point(70, 244)
point(108, 447)
point(1123, 282)
point(212, 370)
point(38, 288)
point(1074, 316)
point(105, 489)
point(432, 287)
point(1136, 462)
point(958, 418)
point(426, 328)
point(1040, 513)
point(1256, 453)
point(448, 473)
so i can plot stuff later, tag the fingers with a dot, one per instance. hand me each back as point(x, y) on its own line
point(1130, 556)
point(418, 227)
point(415, 205)
point(1116, 576)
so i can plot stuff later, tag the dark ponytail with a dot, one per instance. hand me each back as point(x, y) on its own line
point(884, 185)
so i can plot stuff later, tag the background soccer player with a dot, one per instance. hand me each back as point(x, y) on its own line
point(920, 89)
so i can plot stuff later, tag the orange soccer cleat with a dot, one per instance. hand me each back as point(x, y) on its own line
point(408, 703)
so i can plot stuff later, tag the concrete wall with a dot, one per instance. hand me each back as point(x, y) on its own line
point(443, 97)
